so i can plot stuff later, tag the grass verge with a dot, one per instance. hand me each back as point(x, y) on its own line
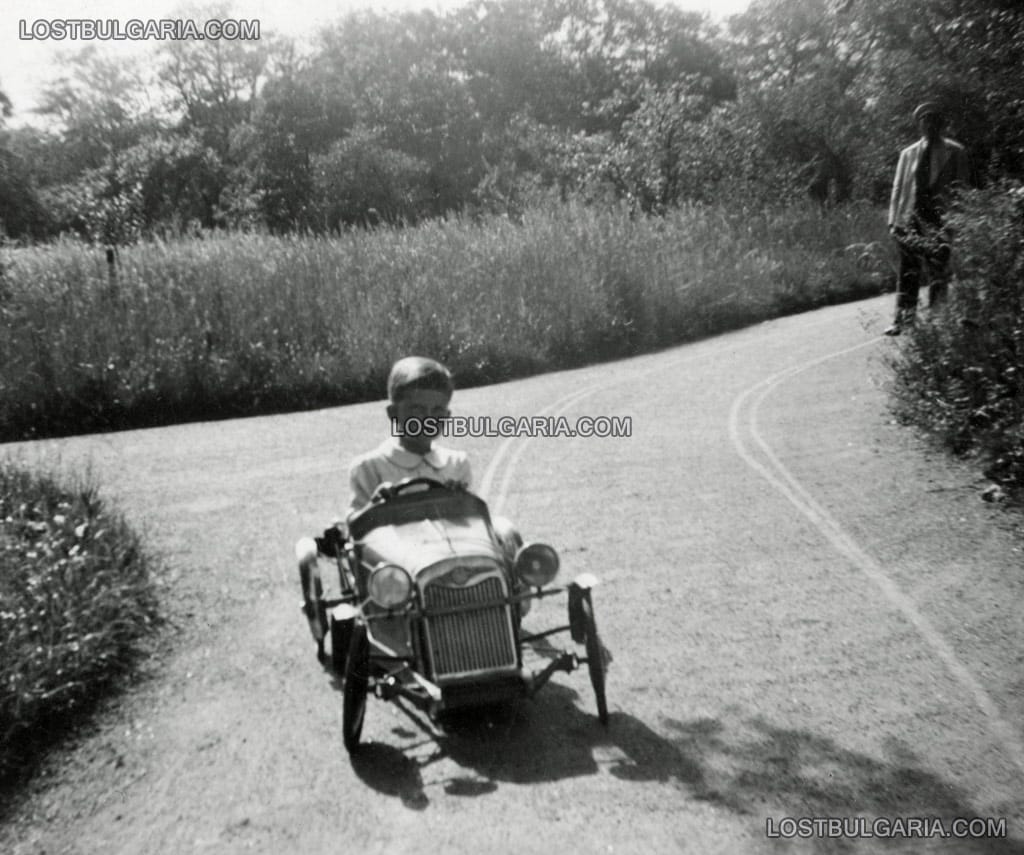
point(75, 602)
point(240, 324)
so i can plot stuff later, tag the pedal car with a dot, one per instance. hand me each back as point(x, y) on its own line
point(430, 606)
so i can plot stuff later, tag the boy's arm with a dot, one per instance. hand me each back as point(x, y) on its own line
point(362, 482)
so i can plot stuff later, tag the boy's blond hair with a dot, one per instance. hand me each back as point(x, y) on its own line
point(418, 372)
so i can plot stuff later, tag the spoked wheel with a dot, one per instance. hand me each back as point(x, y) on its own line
point(357, 680)
point(341, 641)
point(595, 659)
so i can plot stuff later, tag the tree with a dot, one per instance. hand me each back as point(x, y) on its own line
point(360, 181)
point(299, 115)
point(617, 49)
point(803, 66)
point(405, 83)
point(101, 106)
point(21, 214)
point(214, 84)
point(965, 53)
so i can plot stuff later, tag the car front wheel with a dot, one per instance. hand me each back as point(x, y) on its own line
point(357, 680)
point(595, 659)
point(341, 641)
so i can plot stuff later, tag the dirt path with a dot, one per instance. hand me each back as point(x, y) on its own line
point(811, 617)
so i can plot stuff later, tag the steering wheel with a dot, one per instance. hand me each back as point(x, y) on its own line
point(387, 490)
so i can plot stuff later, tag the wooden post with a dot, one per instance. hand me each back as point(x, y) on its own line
point(112, 271)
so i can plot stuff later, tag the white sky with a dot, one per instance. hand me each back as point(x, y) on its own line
point(26, 65)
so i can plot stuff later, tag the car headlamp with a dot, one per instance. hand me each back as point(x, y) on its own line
point(390, 586)
point(536, 564)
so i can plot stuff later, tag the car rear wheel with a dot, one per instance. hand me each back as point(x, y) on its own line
point(595, 659)
point(357, 680)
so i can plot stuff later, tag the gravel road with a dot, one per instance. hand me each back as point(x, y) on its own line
point(811, 616)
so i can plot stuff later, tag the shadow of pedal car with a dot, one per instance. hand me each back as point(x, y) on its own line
point(431, 595)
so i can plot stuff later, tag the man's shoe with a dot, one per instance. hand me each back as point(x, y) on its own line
point(895, 329)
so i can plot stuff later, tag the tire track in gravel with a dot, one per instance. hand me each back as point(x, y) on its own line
point(513, 448)
point(743, 419)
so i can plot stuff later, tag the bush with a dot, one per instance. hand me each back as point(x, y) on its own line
point(961, 374)
point(75, 601)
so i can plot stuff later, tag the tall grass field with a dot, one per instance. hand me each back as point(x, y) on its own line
point(238, 324)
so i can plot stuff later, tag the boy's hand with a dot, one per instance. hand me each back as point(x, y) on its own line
point(384, 491)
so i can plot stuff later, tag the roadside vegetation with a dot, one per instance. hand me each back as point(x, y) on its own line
point(243, 323)
point(76, 599)
point(961, 374)
point(286, 215)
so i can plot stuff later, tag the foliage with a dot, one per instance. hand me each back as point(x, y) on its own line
point(102, 105)
point(21, 211)
point(75, 601)
point(804, 63)
point(244, 323)
point(360, 181)
point(500, 102)
point(967, 55)
point(961, 374)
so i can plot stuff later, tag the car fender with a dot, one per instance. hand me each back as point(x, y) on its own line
point(305, 550)
point(586, 581)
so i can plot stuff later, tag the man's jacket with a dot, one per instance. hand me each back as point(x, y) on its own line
point(949, 167)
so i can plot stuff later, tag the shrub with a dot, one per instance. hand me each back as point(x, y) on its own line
point(75, 601)
point(961, 374)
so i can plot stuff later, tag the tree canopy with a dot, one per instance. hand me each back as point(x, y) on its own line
point(398, 117)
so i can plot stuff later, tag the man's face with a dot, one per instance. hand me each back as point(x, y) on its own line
point(424, 405)
point(931, 126)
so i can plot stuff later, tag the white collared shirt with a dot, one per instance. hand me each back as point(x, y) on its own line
point(389, 461)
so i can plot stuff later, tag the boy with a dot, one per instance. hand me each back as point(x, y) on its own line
point(419, 389)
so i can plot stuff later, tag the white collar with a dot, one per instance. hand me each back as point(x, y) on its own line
point(394, 452)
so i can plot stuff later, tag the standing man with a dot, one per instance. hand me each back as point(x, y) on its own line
point(927, 171)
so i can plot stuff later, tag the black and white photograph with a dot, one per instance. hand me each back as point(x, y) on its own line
point(572, 427)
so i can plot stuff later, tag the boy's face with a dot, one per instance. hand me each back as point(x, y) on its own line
point(422, 404)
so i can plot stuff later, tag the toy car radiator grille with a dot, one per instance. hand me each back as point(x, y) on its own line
point(468, 642)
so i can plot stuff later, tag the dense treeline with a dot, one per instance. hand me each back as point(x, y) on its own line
point(402, 117)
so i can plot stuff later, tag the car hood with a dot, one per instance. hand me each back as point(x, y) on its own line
point(419, 544)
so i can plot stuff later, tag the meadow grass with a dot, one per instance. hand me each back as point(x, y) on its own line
point(237, 324)
point(76, 600)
